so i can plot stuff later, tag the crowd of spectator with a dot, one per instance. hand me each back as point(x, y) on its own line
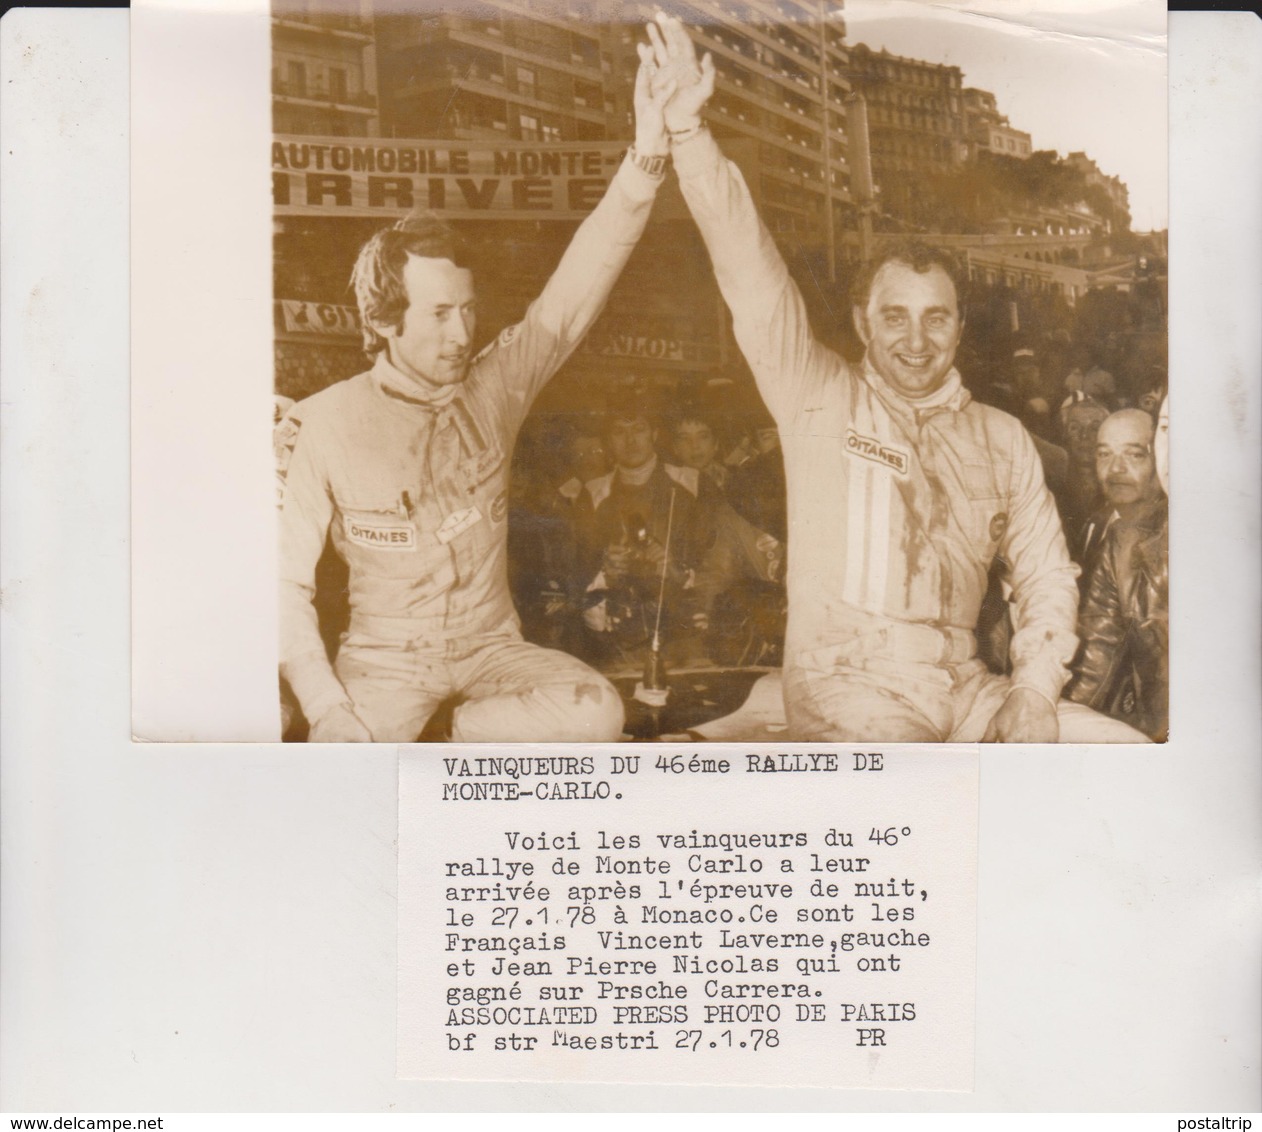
point(658, 516)
point(663, 516)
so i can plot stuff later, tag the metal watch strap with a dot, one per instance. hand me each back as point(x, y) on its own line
point(654, 166)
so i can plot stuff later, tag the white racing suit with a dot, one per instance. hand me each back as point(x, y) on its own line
point(894, 515)
point(415, 495)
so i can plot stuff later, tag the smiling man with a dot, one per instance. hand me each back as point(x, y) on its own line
point(901, 489)
point(1127, 475)
point(406, 468)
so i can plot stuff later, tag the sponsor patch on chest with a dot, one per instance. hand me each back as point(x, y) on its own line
point(870, 448)
point(457, 522)
point(379, 536)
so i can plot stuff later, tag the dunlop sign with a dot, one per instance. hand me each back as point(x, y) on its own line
point(483, 179)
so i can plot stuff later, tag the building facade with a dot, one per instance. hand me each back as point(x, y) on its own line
point(1114, 187)
point(782, 85)
point(987, 129)
point(543, 72)
point(916, 122)
point(324, 79)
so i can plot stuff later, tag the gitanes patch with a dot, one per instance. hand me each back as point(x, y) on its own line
point(379, 536)
point(998, 525)
point(869, 448)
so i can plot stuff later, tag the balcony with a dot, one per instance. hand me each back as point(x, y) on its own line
point(317, 94)
point(754, 41)
point(553, 101)
point(512, 45)
point(338, 25)
point(782, 110)
point(543, 12)
point(778, 78)
point(738, 123)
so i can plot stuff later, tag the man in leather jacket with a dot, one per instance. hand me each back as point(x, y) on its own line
point(1124, 666)
point(1128, 480)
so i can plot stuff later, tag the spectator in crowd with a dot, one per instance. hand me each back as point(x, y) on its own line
point(1127, 477)
point(696, 438)
point(1153, 392)
point(1080, 420)
point(740, 590)
point(1124, 664)
point(1019, 396)
point(1034, 400)
point(756, 434)
point(1056, 354)
point(540, 532)
point(585, 450)
point(902, 489)
point(641, 532)
point(1091, 379)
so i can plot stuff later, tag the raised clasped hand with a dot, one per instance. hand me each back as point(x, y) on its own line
point(675, 66)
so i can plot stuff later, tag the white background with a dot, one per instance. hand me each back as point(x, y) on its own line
point(213, 927)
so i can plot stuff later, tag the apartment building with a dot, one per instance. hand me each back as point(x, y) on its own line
point(323, 68)
point(1115, 187)
point(916, 121)
point(987, 129)
point(547, 72)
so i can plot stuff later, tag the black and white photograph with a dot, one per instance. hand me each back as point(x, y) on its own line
point(719, 371)
point(577, 557)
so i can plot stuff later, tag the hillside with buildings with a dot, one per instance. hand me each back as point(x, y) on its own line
point(841, 144)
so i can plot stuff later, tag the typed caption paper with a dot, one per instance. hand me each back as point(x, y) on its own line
point(679, 915)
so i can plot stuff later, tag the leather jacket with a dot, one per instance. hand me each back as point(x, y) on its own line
point(1123, 667)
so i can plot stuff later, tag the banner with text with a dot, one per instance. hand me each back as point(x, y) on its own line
point(461, 180)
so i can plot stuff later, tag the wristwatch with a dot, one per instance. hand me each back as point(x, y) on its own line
point(654, 165)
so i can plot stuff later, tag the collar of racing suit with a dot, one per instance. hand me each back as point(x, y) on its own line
point(951, 396)
point(397, 384)
point(448, 408)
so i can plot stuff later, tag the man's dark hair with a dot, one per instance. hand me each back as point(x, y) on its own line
point(694, 411)
point(378, 274)
point(629, 403)
point(917, 255)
